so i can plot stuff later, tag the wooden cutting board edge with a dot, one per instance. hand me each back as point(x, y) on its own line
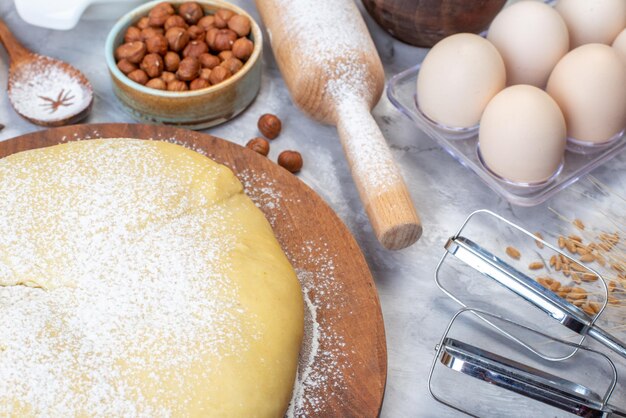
point(357, 318)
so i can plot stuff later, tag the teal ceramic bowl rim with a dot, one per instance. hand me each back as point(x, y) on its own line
point(140, 11)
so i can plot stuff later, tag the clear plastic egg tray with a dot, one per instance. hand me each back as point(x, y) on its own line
point(463, 146)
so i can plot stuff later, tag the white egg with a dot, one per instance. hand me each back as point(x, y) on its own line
point(531, 38)
point(589, 84)
point(458, 77)
point(592, 21)
point(619, 45)
point(522, 135)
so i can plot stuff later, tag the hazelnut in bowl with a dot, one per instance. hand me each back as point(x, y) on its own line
point(192, 64)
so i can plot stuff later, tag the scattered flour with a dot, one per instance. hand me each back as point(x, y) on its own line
point(127, 279)
point(322, 367)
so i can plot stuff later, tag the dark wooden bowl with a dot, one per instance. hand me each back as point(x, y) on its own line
point(426, 22)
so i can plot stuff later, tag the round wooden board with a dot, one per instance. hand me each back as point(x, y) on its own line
point(349, 371)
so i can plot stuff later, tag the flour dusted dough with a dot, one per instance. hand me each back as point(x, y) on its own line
point(137, 279)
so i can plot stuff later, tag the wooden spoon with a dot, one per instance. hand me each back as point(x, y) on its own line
point(44, 90)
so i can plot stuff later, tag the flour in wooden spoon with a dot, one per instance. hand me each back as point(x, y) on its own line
point(132, 273)
point(45, 91)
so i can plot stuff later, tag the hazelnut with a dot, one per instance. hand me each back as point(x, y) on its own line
point(159, 14)
point(138, 76)
point(188, 69)
point(196, 33)
point(205, 74)
point(259, 145)
point(171, 61)
point(195, 49)
point(232, 64)
point(199, 83)
point(175, 21)
point(224, 55)
point(143, 23)
point(242, 48)
point(224, 40)
point(207, 22)
point(168, 76)
point(291, 160)
point(131, 51)
point(157, 83)
point(222, 16)
point(156, 44)
point(219, 74)
point(150, 32)
point(209, 61)
point(132, 34)
point(126, 66)
point(152, 64)
point(177, 38)
point(191, 12)
point(269, 125)
point(177, 85)
point(240, 25)
point(211, 34)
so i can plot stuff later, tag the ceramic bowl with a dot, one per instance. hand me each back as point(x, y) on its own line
point(195, 109)
point(424, 23)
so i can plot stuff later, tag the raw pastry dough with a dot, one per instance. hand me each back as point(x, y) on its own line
point(137, 279)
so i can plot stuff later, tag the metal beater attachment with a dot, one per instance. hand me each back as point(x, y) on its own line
point(508, 370)
point(519, 378)
point(528, 289)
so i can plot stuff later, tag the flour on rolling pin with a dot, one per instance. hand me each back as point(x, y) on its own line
point(346, 80)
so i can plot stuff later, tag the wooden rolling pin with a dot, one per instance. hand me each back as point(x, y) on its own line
point(334, 74)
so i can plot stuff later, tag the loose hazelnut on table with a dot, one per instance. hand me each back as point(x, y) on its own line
point(177, 85)
point(177, 38)
point(199, 83)
point(168, 76)
point(224, 55)
point(205, 74)
point(269, 125)
point(259, 145)
point(209, 61)
point(143, 22)
point(196, 33)
point(191, 12)
point(222, 16)
point(131, 51)
point(152, 64)
point(126, 66)
point(232, 64)
point(171, 61)
point(157, 83)
point(242, 48)
point(224, 40)
point(132, 34)
point(195, 49)
point(290, 160)
point(219, 74)
point(159, 14)
point(157, 44)
point(138, 76)
point(240, 25)
point(188, 69)
point(207, 22)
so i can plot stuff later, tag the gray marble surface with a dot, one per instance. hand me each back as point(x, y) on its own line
point(444, 192)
